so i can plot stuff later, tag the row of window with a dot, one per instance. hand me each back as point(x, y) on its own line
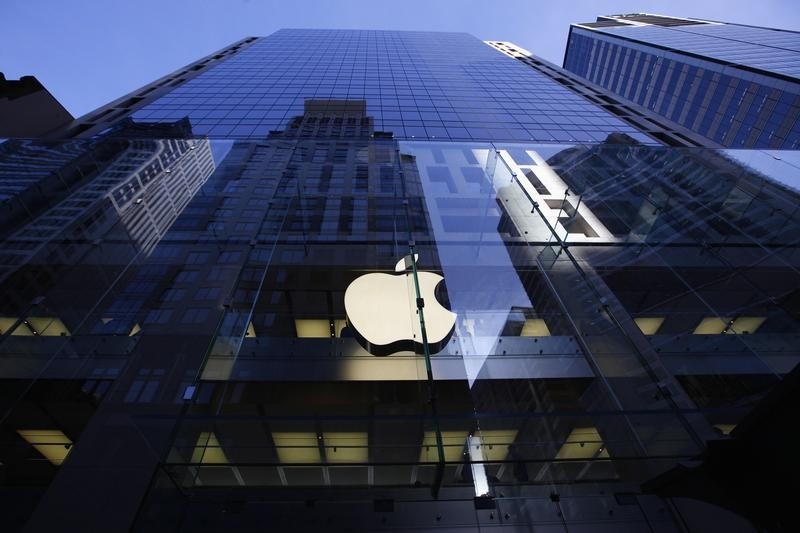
point(443, 89)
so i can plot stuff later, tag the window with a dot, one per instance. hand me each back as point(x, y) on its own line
point(229, 257)
point(207, 293)
point(186, 276)
point(197, 258)
point(158, 316)
point(194, 316)
point(173, 295)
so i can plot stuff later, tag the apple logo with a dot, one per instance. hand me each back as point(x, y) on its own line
point(381, 309)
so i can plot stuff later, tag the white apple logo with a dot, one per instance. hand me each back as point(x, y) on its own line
point(381, 308)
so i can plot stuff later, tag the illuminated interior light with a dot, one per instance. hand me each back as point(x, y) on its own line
point(346, 447)
point(725, 429)
point(106, 320)
point(745, 325)
point(208, 451)
point(312, 328)
point(53, 444)
point(48, 326)
point(135, 329)
point(535, 327)
point(583, 443)
point(649, 325)
point(354, 367)
point(6, 324)
point(495, 443)
point(23, 330)
point(712, 326)
point(251, 331)
point(452, 442)
point(296, 447)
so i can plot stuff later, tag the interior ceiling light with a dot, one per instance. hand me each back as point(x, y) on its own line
point(649, 325)
point(712, 326)
point(535, 327)
point(6, 323)
point(745, 325)
point(208, 450)
point(48, 326)
point(742, 325)
point(312, 328)
point(296, 447)
point(583, 443)
point(53, 444)
point(452, 444)
point(346, 447)
point(495, 443)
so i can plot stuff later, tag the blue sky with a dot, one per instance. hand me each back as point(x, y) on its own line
point(91, 52)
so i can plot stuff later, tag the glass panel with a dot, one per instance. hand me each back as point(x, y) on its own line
point(329, 312)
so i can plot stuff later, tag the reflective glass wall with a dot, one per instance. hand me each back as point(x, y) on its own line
point(337, 273)
point(735, 85)
point(318, 310)
point(418, 85)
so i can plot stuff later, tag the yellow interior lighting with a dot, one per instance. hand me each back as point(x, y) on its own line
point(740, 326)
point(535, 327)
point(23, 330)
point(338, 325)
point(649, 325)
point(297, 447)
point(711, 326)
point(6, 324)
point(725, 429)
point(495, 442)
point(208, 451)
point(583, 443)
point(452, 442)
point(48, 326)
point(312, 328)
point(52, 443)
point(251, 331)
point(746, 324)
point(135, 329)
point(346, 447)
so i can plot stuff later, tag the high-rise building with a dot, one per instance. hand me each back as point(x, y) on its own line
point(736, 85)
point(27, 109)
point(367, 280)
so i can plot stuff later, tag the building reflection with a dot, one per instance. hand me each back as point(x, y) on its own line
point(617, 305)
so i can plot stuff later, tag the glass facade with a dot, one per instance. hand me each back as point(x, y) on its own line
point(421, 85)
point(337, 323)
point(736, 85)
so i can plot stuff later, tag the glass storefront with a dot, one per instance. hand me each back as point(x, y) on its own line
point(368, 312)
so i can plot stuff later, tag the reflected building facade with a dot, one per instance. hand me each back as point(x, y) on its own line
point(736, 85)
point(178, 348)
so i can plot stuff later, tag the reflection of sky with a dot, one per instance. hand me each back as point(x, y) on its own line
point(782, 166)
point(220, 149)
point(546, 151)
point(482, 309)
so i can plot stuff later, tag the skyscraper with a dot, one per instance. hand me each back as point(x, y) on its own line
point(736, 85)
point(27, 109)
point(380, 280)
